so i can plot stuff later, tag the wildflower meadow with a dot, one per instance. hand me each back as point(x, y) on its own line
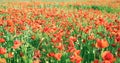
point(60, 32)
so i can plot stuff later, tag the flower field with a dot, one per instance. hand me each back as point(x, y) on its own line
point(60, 32)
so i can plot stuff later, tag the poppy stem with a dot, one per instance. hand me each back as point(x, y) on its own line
point(102, 52)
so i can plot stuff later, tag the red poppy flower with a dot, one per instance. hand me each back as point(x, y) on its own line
point(106, 61)
point(101, 43)
point(58, 56)
point(75, 58)
point(10, 55)
point(10, 23)
point(17, 44)
point(117, 39)
point(2, 40)
point(23, 28)
point(96, 61)
point(91, 37)
point(46, 29)
point(78, 59)
point(3, 50)
point(51, 54)
point(72, 39)
point(37, 54)
point(60, 46)
point(77, 52)
point(108, 56)
point(71, 49)
point(12, 29)
point(71, 43)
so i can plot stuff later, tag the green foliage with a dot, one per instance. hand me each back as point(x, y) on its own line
point(101, 8)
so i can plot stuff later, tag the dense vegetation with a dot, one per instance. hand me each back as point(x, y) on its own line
point(57, 33)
